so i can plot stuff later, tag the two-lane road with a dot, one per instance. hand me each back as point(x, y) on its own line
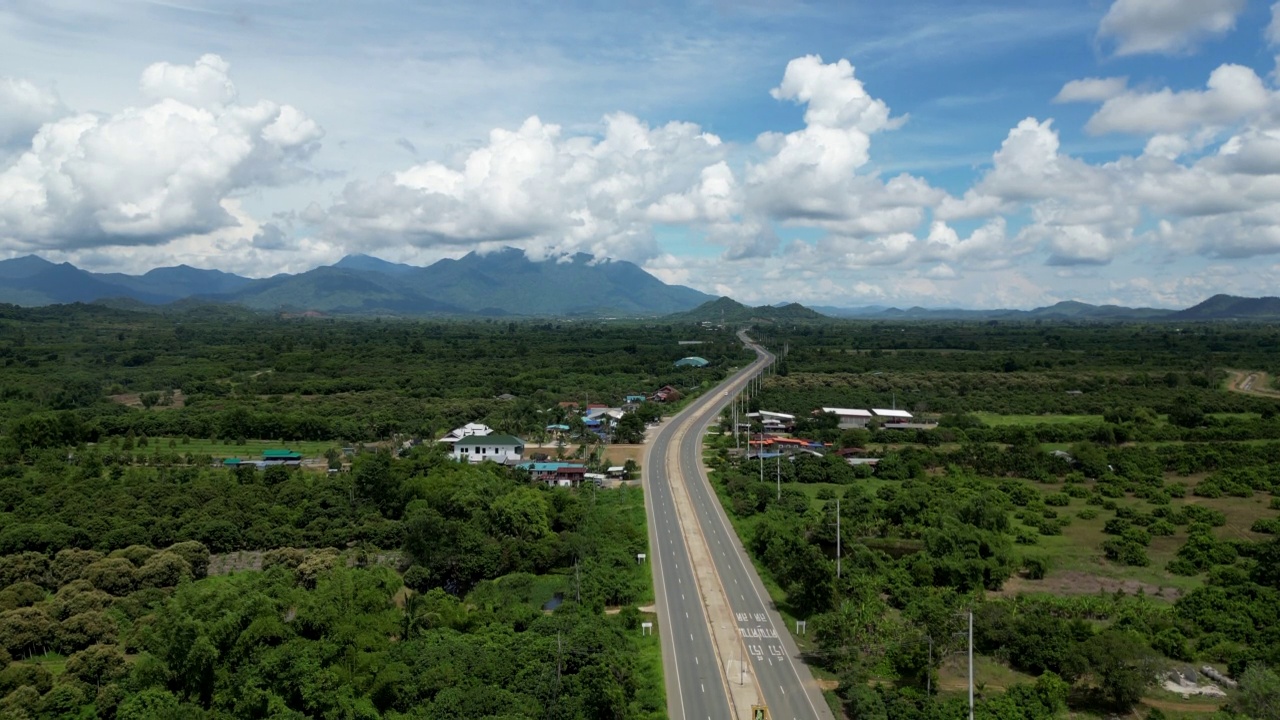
point(784, 682)
point(694, 679)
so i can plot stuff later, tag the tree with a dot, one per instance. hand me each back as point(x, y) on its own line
point(630, 429)
point(97, 665)
point(164, 569)
point(1258, 693)
point(26, 631)
point(376, 483)
point(195, 553)
point(117, 576)
point(521, 514)
point(1121, 665)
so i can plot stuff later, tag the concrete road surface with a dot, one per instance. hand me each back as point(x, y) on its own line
point(704, 673)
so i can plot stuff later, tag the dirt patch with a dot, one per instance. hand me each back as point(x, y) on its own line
point(1251, 382)
point(828, 684)
point(620, 454)
point(1171, 706)
point(134, 400)
point(1074, 582)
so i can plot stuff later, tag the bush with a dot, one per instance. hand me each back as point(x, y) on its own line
point(1116, 526)
point(1138, 535)
point(1037, 567)
point(1275, 503)
point(285, 557)
point(1087, 513)
point(1076, 491)
point(1162, 528)
point(1126, 552)
point(1058, 500)
point(1110, 490)
point(1270, 526)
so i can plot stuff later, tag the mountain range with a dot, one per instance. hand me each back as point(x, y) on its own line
point(500, 283)
point(507, 282)
point(1218, 307)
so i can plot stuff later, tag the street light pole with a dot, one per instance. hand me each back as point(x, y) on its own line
point(970, 665)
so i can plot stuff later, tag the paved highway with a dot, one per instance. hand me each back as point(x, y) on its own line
point(694, 679)
point(699, 692)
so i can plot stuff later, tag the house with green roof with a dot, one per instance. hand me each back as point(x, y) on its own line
point(504, 449)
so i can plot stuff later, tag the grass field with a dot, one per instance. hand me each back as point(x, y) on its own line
point(653, 690)
point(1079, 548)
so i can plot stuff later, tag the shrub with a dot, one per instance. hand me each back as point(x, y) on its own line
point(1037, 567)
point(285, 557)
point(1058, 500)
point(1161, 528)
point(1110, 490)
point(1087, 513)
point(1116, 526)
point(1138, 535)
point(1125, 552)
point(1076, 491)
point(1270, 526)
point(1275, 503)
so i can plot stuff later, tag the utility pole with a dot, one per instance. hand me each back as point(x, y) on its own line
point(577, 578)
point(779, 458)
point(970, 665)
point(760, 454)
point(928, 678)
point(837, 538)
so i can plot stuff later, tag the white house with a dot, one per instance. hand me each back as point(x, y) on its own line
point(898, 415)
point(503, 449)
point(467, 430)
point(849, 417)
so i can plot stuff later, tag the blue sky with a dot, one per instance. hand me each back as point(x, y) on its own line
point(835, 153)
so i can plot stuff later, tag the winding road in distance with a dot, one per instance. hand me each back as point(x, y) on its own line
point(714, 614)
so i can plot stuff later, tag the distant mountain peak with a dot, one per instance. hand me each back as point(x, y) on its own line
point(726, 309)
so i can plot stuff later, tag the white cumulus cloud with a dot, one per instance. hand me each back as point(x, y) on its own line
point(146, 175)
point(1092, 89)
point(24, 107)
point(1167, 26)
point(537, 188)
point(1233, 92)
